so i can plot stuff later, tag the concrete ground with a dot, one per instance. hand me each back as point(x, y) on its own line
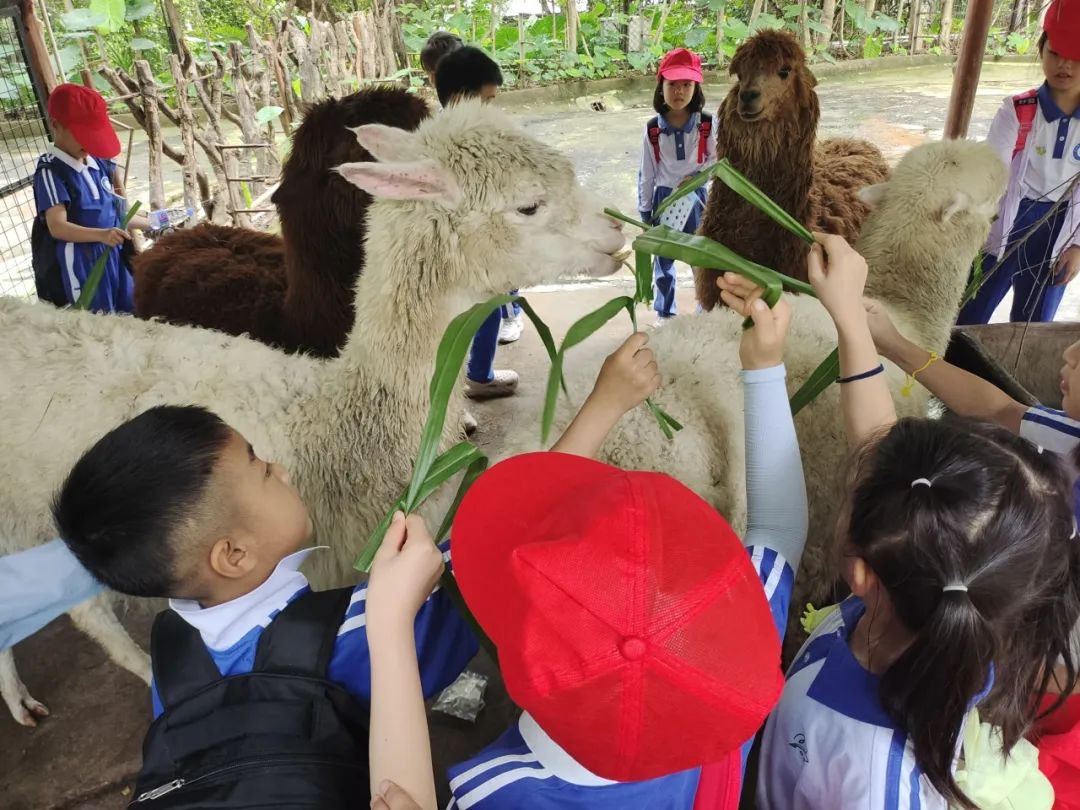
point(85, 756)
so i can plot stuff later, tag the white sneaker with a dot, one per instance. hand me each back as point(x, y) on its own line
point(510, 329)
point(504, 384)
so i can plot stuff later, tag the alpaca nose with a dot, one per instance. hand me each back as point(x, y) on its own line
point(749, 96)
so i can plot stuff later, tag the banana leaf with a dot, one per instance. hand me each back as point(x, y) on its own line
point(97, 272)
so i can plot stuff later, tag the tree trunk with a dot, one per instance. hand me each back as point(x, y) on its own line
point(871, 7)
point(721, 17)
point(659, 36)
point(174, 26)
point(828, 20)
point(946, 24)
point(39, 54)
point(1017, 16)
point(758, 7)
point(149, 91)
point(187, 132)
point(571, 35)
point(804, 25)
point(896, 33)
point(389, 28)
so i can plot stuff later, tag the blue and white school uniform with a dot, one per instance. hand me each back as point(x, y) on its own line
point(829, 744)
point(1055, 431)
point(1039, 177)
point(231, 630)
point(679, 152)
point(87, 191)
point(526, 770)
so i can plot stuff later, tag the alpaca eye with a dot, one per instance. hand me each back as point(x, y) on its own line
point(785, 72)
point(529, 210)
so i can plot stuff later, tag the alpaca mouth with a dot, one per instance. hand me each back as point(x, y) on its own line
point(749, 115)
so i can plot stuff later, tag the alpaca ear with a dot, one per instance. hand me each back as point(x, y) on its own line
point(960, 203)
point(420, 180)
point(386, 144)
point(873, 195)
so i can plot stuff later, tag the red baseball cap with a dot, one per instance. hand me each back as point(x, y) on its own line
point(628, 618)
point(1062, 27)
point(83, 111)
point(680, 65)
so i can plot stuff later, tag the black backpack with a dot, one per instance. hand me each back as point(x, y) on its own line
point(48, 275)
point(280, 736)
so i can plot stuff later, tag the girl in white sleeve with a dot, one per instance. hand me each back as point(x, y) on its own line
point(1036, 236)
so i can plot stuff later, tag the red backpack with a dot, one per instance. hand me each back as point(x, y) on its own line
point(704, 131)
point(1026, 106)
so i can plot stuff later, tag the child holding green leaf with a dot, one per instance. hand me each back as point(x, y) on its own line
point(80, 213)
point(679, 143)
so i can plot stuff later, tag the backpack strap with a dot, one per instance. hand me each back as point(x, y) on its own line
point(704, 132)
point(182, 665)
point(653, 130)
point(1026, 106)
point(300, 641)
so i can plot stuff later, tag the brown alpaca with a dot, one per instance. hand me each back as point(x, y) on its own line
point(767, 128)
point(294, 291)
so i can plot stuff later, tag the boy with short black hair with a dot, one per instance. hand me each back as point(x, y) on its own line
point(175, 503)
point(79, 210)
point(437, 46)
point(467, 72)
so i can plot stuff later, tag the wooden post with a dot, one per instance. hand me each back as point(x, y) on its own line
point(364, 23)
point(261, 64)
point(521, 49)
point(968, 67)
point(187, 133)
point(265, 162)
point(149, 91)
point(358, 47)
point(311, 83)
point(284, 83)
point(35, 47)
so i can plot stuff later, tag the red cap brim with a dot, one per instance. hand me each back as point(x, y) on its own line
point(1068, 47)
point(99, 140)
point(681, 74)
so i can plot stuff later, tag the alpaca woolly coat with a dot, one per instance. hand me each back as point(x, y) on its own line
point(817, 183)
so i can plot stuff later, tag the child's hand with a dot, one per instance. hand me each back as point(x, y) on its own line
point(763, 345)
point(391, 797)
point(1068, 266)
point(403, 574)
point(628, 377)
point(838, 275)
point(113, 237)
point(887, 337)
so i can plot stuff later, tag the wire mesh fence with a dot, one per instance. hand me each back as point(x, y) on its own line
point(23, 137)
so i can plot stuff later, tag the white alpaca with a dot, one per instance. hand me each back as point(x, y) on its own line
point(928, 222)
point(467, 207)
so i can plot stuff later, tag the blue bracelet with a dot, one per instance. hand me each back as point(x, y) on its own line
point(864, 376)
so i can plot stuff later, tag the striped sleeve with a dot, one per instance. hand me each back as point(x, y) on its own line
point(444, 644)
point(1050, 429)
point(49, 189)
point(778, 580)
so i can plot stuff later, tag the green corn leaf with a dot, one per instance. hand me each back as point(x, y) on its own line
point(615, 213)
point(543, 332)
point(579, 331)
point(667, 423)
point(687, 188)
point(822, 377)
point(449, 360)
point(97, 272)
point(734, 180)
point(643, 274)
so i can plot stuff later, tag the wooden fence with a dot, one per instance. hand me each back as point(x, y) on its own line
point(289, 69)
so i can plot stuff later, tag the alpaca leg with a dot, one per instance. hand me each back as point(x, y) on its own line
point(96, 618)
point(23, 708)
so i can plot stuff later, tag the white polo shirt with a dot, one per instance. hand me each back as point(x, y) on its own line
point(829, 744)
point(1054, 156)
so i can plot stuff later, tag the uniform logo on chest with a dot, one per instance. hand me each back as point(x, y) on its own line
point(1076, 153)
point(798, 742)
point(1040, 151)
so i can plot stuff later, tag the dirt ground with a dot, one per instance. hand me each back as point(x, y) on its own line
point(84, 756)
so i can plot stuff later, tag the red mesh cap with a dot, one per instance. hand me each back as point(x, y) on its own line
point(1062, 27)
point(83, 112)
point(680, 65)
point(628, 619)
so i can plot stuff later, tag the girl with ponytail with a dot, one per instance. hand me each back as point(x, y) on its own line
point(959, 547)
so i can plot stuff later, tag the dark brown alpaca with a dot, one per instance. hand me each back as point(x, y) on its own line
point(294, 291)
point(767, 128)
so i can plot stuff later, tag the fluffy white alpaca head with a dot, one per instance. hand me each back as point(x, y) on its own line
point(941, 180)
point(505, 209)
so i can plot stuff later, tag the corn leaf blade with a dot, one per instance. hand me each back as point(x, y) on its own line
point(822, 377)
point(97, 272)
point(578, 331)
